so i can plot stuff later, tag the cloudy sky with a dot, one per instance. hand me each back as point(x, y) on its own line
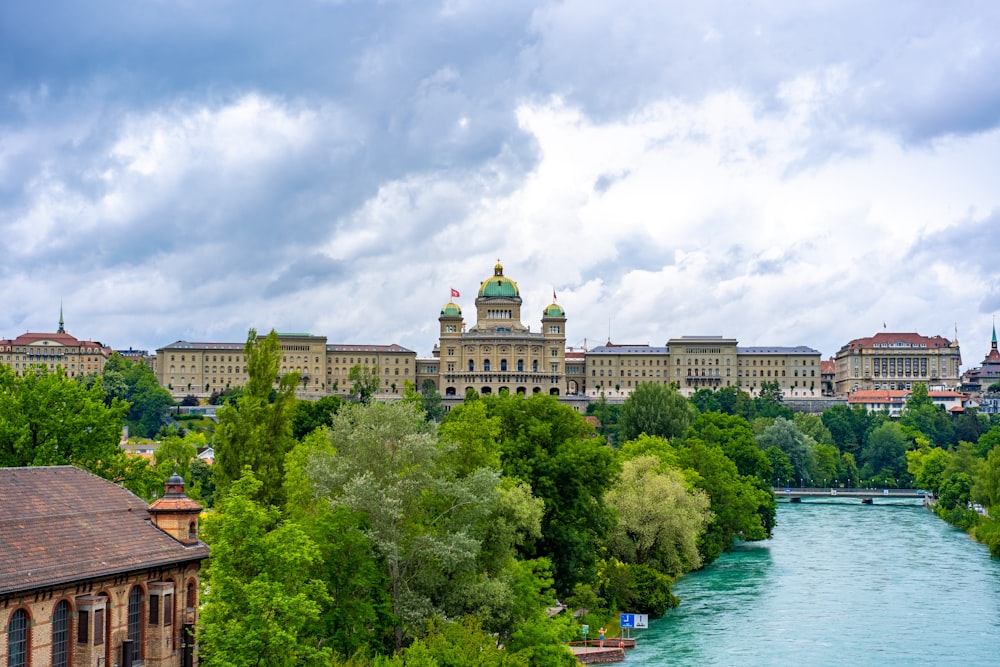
point(783, 173)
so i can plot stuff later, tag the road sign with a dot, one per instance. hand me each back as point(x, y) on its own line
point(637, 621)
point(584, 629)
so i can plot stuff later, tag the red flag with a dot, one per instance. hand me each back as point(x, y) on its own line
point(454, 293)
point(553, 295)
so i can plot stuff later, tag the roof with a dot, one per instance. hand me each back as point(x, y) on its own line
point(61, 524)
point(60, 339)
point(798, 349)
point(185, 345)
point(897, 340)
point(367, 348)
point(612, 348)
point(554, 310)
point(451, 309)
point(898, 395)
point(498, 285)
point(828, 367)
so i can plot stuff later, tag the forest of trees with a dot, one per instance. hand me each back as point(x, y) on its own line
point(372, 533)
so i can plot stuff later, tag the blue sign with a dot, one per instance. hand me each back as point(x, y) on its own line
point(640, 621)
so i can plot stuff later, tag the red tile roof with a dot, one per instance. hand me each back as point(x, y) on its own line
point(61, 524)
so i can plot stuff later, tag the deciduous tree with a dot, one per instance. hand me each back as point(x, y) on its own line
point(655, 409)
point(256, 431)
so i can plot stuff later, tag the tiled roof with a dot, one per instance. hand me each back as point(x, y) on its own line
point(63, 339)
point(896, 340)
point(828, 367)
point(61, 524)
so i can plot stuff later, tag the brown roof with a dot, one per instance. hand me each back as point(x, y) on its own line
point(885, 339)
point(828, 367)
point(61, 338)
point(61, 524)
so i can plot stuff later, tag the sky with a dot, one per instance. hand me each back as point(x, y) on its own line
point(779, 172)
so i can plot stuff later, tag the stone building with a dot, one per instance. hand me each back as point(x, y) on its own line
point(53, 350)
point(203, 368)
point(703, 362)
point(499, 352)
point(90, 576)
point(896, 361)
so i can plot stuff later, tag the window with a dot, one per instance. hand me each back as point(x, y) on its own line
point(154, 609)
point(486, 365)
point(99, 626)
point(82, 626)
point(17, 639)
point(472, 365)
point(60, 635)
point(503, 364)
point(192, 595)
point(135, 618)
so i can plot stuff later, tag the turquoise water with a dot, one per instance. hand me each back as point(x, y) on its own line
point(840, 583)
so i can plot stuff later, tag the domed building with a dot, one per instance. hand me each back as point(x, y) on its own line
point(499, 353)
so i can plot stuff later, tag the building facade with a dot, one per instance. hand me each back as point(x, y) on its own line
point(896, 361)
point(205, 368)
point(978, 380)
point(498, 353)
point(703, 362)
point(54, 350)
point(92, 576)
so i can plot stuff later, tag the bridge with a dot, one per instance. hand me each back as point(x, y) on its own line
point(866, 496)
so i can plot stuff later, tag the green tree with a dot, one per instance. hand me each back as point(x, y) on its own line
point(256, 431)
point(928, 465)
point(921, 414)
point(768, 401)
point(311, 415)
point(736, 438)
point(784, 435)
point(741, 509)
point(783, 472)
point(884, 456)
point(550, 447)
point(655, 409)
point(136, 383)
point(425, 522)
point(364, 382)
point(261, 602)
point(986, 489)
point(659, 518)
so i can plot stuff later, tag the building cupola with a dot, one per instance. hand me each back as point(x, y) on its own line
point(175, 513)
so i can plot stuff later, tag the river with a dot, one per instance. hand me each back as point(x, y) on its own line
point(840, 583)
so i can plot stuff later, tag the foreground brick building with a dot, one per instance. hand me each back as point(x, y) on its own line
point(91, 576)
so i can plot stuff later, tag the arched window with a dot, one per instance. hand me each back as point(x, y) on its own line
point(17, 639)
point(60, 634)
point(192, 595)
point(135, 619)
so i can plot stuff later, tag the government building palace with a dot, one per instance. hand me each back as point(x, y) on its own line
point(500, 353)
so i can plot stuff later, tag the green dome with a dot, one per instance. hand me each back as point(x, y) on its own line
point(451, 308)
point(499, 284)
point(554, 310)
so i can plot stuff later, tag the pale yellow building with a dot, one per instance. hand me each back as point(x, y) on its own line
point(895, 361)
point(54, 350)
point(499, 353)
point(703, 362)
point(205, 368)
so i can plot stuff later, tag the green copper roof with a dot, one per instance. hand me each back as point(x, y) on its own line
point(499, 284)
point(451, 308)
point(554, 310)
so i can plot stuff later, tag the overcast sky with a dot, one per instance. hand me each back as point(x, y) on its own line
point(783, 173)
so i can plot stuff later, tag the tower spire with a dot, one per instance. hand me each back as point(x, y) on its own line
point(62, 328)
point(993, 345)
